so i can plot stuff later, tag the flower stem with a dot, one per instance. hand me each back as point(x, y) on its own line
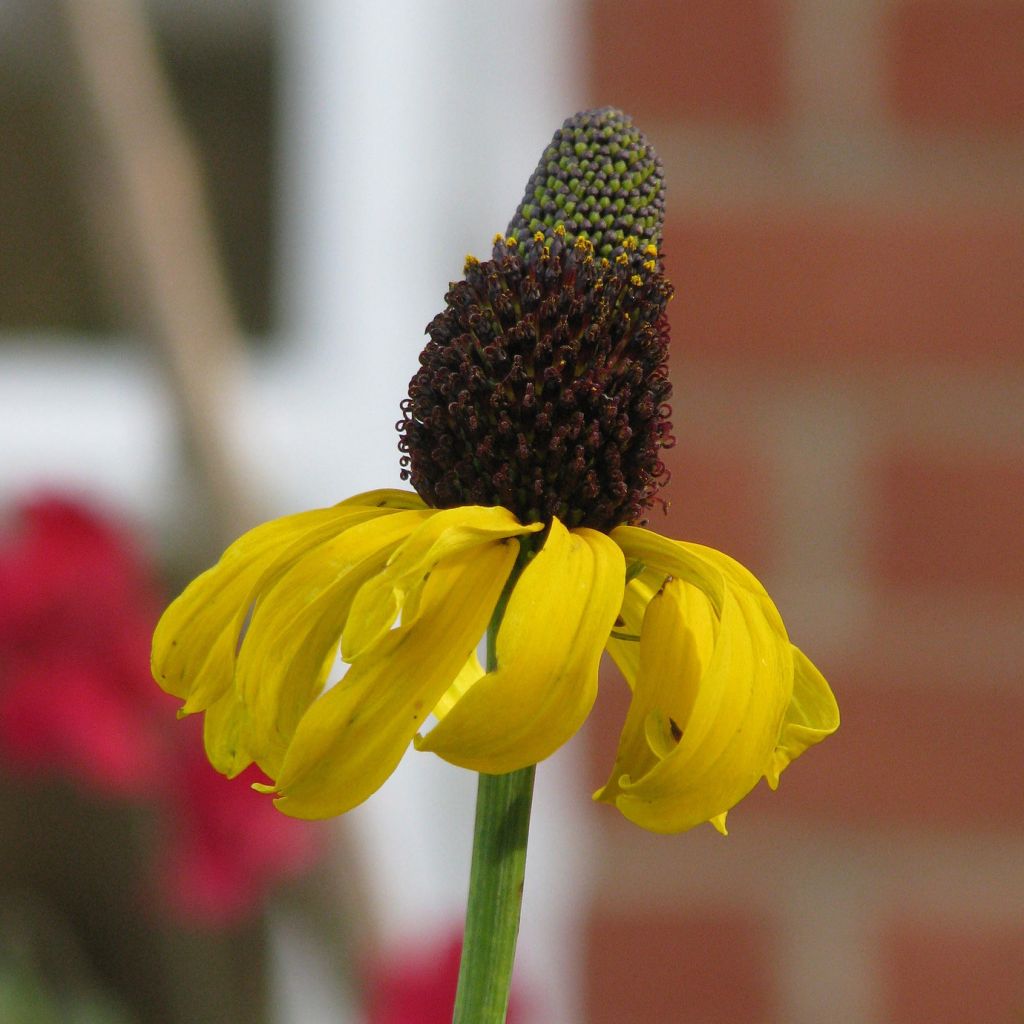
point(495, 897)
point(497, 872)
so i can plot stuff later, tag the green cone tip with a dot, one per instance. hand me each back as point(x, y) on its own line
point(600, 178)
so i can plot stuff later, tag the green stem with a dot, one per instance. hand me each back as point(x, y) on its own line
point(497, 872)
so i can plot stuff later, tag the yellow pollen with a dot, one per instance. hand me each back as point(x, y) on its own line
point(538, 236)
point(560, 229)
point(471, 261)
point(651, 250)
point(650, 265)
point(636, 280)
point(629, 243)
point(499, 237)
point(622, 259)
point(604, 263)
point(511, 241)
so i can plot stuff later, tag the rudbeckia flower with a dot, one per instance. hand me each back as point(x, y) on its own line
point(532, 437)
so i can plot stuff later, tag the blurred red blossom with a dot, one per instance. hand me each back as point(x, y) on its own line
point(226, 844)
point(77, 610)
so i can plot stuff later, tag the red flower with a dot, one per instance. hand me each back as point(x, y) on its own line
point(226, 845)
point(77, 610)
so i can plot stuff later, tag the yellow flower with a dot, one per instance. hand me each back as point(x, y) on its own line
point(531, 435)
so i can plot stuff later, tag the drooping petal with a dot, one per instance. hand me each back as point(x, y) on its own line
point(624, 645)
point(224, 726)
point(677, 641)
point(740, 576)
point(444, 534)
point(698, 564)
point(468, 675)
point(195, 642)
point(297, 623)
point(812, 715)
point(548, 648)
point(351, 738)
point(661, 557)
point(729, 676)
point(672, 558)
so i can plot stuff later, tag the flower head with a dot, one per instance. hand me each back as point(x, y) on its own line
point(532, 436)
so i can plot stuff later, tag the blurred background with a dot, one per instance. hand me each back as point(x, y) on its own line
point(224, 227)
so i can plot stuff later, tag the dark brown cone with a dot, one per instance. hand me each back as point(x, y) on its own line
point(544, 384)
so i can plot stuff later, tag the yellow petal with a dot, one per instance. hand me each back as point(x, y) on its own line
point(195, 642)
point(297, 623)
point(444, 534)
point(352, 737)
point(672, 558)
point(468, 675)
point(677, 642)
point(731, 686)
point(548, 648)
point(626, 653)
point(224, 727)
point(811, 716)
point(740, 576)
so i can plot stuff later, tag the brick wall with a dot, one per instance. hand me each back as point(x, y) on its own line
point(846, 235)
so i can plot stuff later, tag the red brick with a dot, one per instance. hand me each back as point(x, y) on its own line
point(942, 520)
point(818, 286)
point(942, 756)
point(699, 60)
point(695, 968)
point(942, 973)
point(718, 498)
point(958, 65)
